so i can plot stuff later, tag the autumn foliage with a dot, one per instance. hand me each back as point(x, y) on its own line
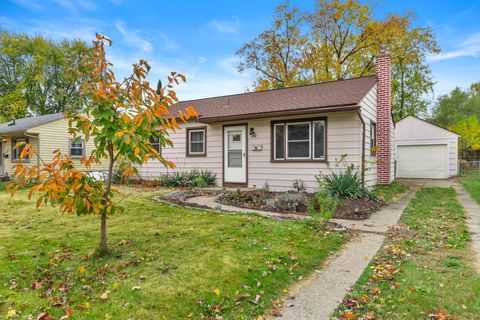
point(121, 118)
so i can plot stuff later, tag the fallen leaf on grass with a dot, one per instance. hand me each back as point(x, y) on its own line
point(104, 296)
point(13, 284)
point(441, 315)
point(11, 314)
point(81, 269)
point(44, 316)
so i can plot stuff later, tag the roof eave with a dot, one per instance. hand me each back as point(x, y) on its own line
point(280, 113)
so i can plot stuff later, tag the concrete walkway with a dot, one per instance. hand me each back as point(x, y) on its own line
point(472, 212)
point(317, 297)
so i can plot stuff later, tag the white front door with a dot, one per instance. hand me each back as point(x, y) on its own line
point(235, 154)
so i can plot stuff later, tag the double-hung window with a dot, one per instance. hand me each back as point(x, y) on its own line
point(155, 142)
point(77, 148)
point(299, 140)
point(196, 141)
point(373, 138)
point(17, 151)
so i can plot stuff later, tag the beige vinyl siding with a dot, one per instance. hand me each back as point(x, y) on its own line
point(54, 136)
point(343, 138)
point(212, 161)
point(369, 114)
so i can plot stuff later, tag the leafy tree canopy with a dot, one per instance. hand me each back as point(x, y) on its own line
point(457, 106)
point(469, 131)
point(121, 117)
point(39, 76)
point(340, 40)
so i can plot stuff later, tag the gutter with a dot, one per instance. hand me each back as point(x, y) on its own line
point(362, 172)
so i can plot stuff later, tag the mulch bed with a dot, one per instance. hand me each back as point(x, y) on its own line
point(258, 200)
point(357, 209)
point(352, 209)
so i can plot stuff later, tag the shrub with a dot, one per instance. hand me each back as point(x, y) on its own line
point(323, 206)
point(287, 201)
point(188, 179)
point(208, 176)
point(199, 182)
point(346, 184)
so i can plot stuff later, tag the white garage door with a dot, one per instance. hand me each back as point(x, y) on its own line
point(427, 161)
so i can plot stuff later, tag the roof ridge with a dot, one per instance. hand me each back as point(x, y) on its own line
point(277, 89)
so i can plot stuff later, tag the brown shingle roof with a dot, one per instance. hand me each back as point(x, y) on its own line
point(335, 95)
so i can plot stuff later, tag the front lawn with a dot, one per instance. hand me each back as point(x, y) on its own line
point(168, 262)
point(391, 192)
point(424, 270)
point(471, 182)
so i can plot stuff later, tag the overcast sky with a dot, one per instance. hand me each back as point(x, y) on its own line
point(199, 38)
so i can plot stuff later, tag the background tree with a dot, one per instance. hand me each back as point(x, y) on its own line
point(120, 117)
point(39, 76)
point(338, 41)
point(276, 53)
point(456, 106)
point(469, 131)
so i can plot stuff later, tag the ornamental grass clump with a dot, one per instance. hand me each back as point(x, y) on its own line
point(323, 206)
point(346, 184)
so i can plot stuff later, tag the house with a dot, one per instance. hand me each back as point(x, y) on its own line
point(45, 134)
point(425, 150)
point(277, 136)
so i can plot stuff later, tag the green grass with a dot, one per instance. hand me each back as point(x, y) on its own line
point(424, 268)
point(167, 262)
point(471, 182)
point(3, 185)
point(389, 193)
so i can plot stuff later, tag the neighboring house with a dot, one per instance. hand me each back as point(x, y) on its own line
point(425, 150)
point(45, 134)
point(277, 136)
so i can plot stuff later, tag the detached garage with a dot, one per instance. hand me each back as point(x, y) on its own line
point(424, 150)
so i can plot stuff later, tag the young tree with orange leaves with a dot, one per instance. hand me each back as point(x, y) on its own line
point(121, 118)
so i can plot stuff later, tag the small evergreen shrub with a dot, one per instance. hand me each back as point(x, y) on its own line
point(323, 206)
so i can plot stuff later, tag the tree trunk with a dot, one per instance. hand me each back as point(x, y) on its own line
point(103, 227)
point(103, 233)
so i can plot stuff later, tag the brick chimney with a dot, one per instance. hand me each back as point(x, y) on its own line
point(384, 118)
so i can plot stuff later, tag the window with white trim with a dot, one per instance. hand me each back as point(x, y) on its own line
point(299, 140)
point(155, 142)
point(319, 139)
point(77, 148)
point(373, 138)
point(17, 151)
point(196, 139)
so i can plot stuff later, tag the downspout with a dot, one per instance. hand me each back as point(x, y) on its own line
point(362, 162)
